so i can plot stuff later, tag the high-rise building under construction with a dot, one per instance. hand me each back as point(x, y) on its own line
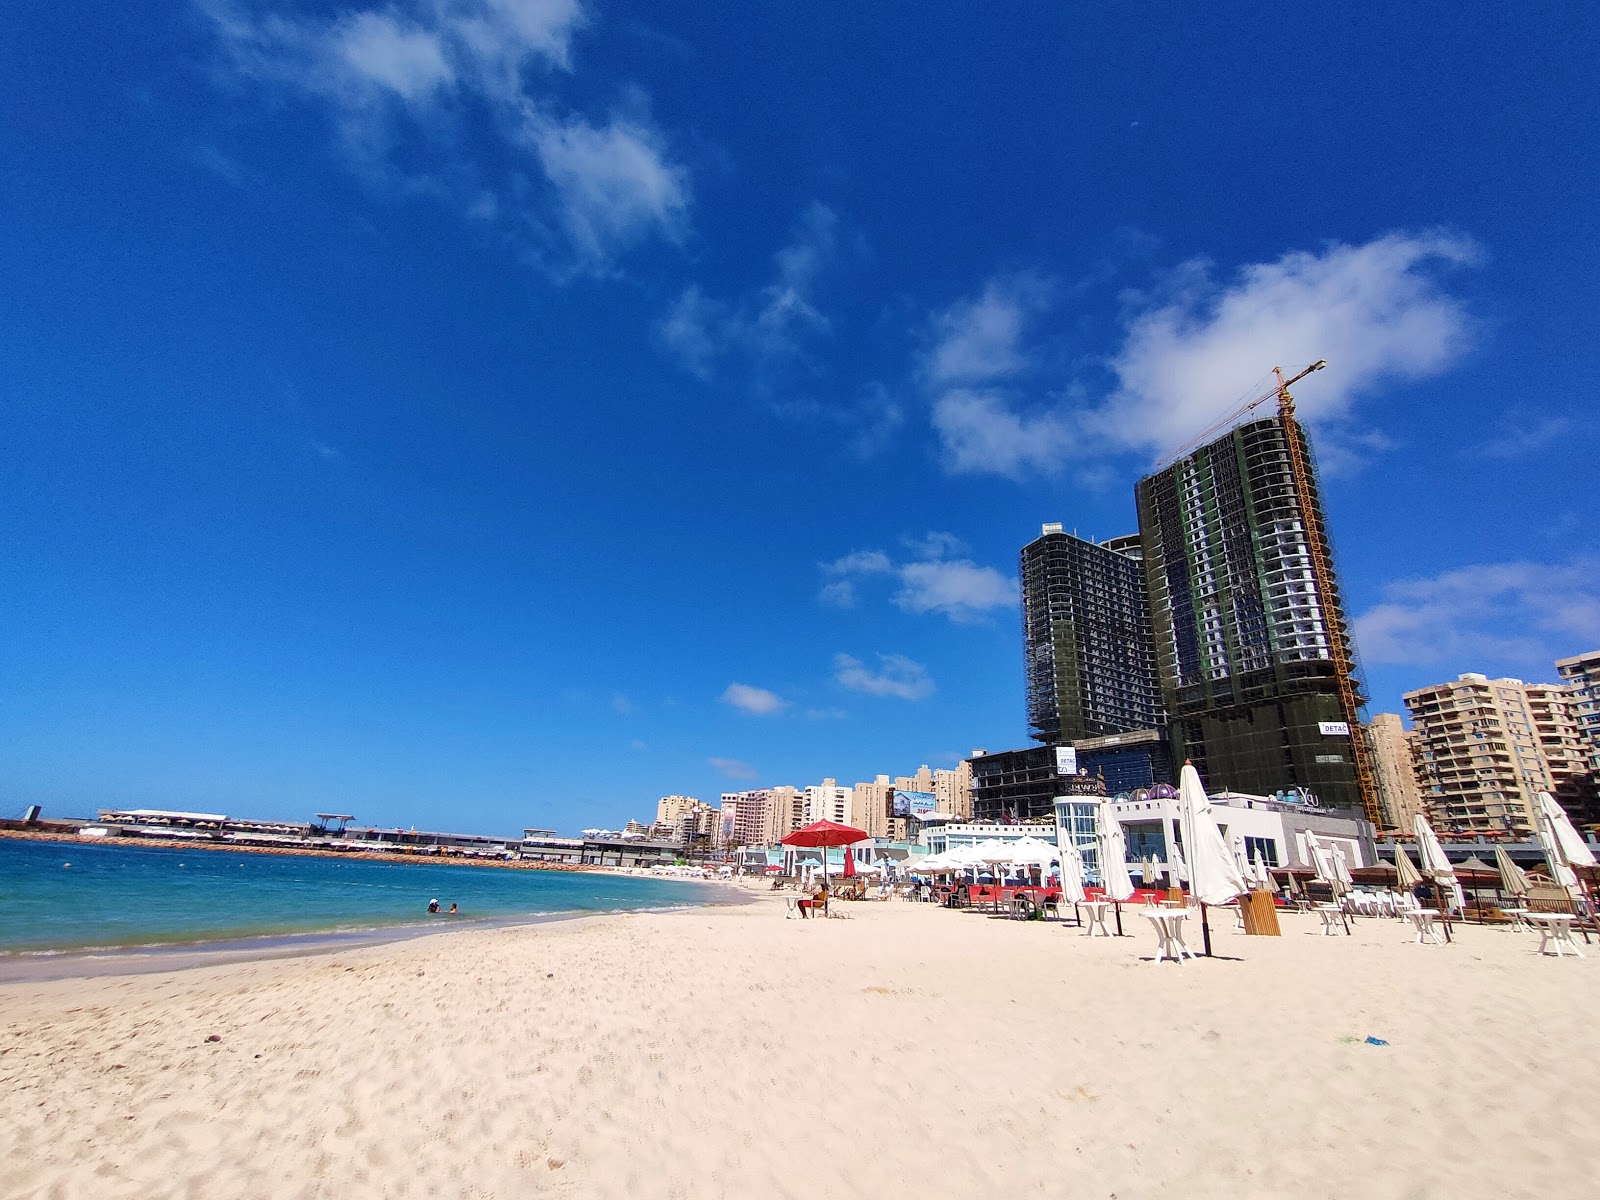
point(1086, 634)
point(1250, 639)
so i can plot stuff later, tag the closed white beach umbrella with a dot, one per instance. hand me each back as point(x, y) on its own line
point(1113, 854)
point(1406, 875)
point(1563, 848)
point(1176, 867)
point(1147, 871)
point(1512, 881)
point(1214, 878)
point(1435, 863)
point(1072, 874)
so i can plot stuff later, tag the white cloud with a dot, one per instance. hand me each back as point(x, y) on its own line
point(841, 593)
point(621, 705)
point(1379, 312)
point(692, 330)
point(979, 340)
point(756, 701)
point(982, 433)
point(404, 82)
point(393, 54)
point(733, 768)
point(1376, 312)
point(896, 676)
point(1521, 440)
point(958, 589)
point(768, 327)
point(1489, 617)
point(638, 744)
point(615, 182)
point(934, 545)
point(860, 562)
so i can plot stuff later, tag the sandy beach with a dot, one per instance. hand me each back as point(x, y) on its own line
point(731, 1052)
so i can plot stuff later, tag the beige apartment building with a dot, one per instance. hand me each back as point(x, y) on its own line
point(1393, 749)
point(763, 816)
point(1581, 673)
point(954, 790)
point(869, 809)
point(827, 801)
point(1487, 747)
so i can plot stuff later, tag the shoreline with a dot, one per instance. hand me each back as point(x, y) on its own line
point(450, 860)
point(24, 967)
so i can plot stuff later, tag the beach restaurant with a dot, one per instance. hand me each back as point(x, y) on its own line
point(1264, 828)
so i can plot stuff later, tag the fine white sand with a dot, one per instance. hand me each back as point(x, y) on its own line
point(907, 1051)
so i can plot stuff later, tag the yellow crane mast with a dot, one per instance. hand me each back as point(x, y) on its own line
point(1322, 571)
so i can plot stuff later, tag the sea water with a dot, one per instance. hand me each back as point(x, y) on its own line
point(62, 896)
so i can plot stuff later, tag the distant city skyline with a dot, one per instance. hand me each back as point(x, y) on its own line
point(491, 415)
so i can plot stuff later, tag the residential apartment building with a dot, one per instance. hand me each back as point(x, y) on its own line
point(1487, 747)
point(1393, 752)
point(1582, 674)
point(1090, 661)
point(828, 801)
point(953, 790)
point(870, 806)
point(1245, 630)
point(763, 816)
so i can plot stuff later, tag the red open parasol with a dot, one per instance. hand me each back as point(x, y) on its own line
point(825, 834)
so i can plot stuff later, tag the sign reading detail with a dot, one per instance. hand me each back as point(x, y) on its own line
point(1066, 760)
point(1334, 728)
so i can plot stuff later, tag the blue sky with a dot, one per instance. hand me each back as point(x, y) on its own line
point(478, 413)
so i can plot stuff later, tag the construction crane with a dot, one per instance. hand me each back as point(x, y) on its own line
point(1322, 571)
point(1321, 564)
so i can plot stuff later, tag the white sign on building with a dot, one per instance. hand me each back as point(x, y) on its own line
point(1334, 728)
point(1066, 760)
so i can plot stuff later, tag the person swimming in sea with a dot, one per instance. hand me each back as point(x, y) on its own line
point(454, 911)
point(433, 906)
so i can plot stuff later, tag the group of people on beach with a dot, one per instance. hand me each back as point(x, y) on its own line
point(433, 907)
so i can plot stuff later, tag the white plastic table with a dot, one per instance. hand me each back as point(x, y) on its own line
point(1332, 920)
point(1423, 919)
point(1519, 918)
point(1097, 918)
point(1169, 931)
point(1555, 929)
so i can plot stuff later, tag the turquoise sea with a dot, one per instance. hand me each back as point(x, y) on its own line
point(64, 896)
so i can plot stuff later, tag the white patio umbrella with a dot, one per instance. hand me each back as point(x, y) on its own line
point(1032, 852)
point(1512, 880)
point(1563, 848)
point(1214, 877)
point(1113, 846)
point(1406, 875)
point(1341, 868)
point(1176, 867)
point(1072, 874)
point(1435, 862)
point(1147, 870)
